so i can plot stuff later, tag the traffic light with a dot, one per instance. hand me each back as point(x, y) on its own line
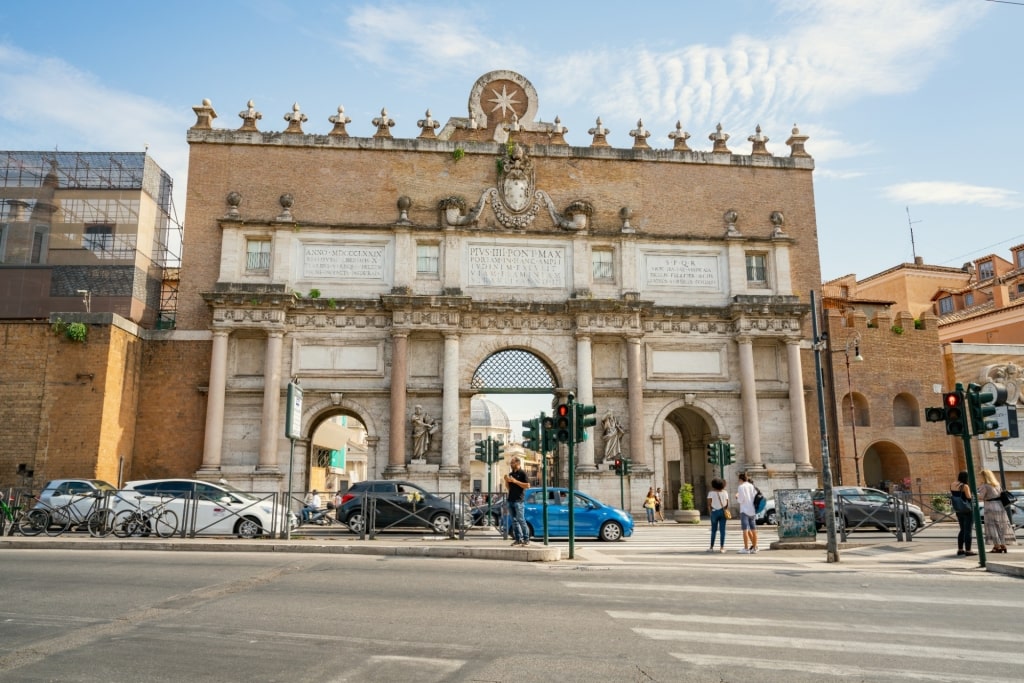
point(497, 448)
point(548, 436)
point(562, 419)
point(713, 453)
point(953, 402)
point(729, 452)
point(617, 466)
point(531, 435)
point(935, 414)
point(983, 406)
point(583, 421)
point(627, 466)
point(481, 451)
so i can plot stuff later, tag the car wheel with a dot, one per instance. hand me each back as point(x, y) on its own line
point(611, 531)
point(442, 523)
point(913, 524)
point(771, 517)
point(248, 527)
point(356, 522)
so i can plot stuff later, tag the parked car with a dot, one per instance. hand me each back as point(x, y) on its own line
point(591, 517)
point(768, 515)
point(220, 509)
point(489, 514)
point(400, 504)
point(864, 507)
point(1016, 510)
point(58, 493)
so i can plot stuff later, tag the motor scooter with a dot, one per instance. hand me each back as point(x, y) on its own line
point(323, 517)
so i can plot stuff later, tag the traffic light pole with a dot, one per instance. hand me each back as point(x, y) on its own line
point(571, 444)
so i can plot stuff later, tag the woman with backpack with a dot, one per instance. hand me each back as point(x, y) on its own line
point(960, 493)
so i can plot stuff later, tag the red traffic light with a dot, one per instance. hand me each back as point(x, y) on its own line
point(563, 410)
point(951, 400)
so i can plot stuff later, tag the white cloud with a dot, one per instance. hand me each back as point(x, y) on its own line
point(937, 192)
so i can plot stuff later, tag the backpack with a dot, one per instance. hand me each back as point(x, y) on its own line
point(960, 504)
point(759, 501)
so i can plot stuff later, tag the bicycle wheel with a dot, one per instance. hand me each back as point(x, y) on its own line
point(33, 522)
point(128, 523)
point(100, 523)
point(165, 523)
point(59, 522)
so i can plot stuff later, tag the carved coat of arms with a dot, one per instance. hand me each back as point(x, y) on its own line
point(518, 202)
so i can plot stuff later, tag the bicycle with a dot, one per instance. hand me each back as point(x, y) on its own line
point(28, 521)
point(97, 520)
point(9, 515)
point(139, 522)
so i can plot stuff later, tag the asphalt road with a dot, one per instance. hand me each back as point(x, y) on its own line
point(163, 616)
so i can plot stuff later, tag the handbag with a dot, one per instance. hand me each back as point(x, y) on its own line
point(725, 508)
point(1007, 498)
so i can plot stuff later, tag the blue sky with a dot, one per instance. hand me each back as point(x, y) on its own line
point(908, 103)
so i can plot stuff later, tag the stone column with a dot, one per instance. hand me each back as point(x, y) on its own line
point(797, 406)
point(635, 398)
point(450, 405)
point(269, 429)
point(748, 396)
point(215, 405)
point(585, 387)
point(399, 363)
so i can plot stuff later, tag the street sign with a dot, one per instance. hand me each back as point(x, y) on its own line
point(293, 419)
point(1006, 424)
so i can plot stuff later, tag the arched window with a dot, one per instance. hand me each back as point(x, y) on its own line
point(861, 414)
point(906, 411)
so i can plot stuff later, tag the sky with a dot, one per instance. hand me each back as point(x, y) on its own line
point(909, 105)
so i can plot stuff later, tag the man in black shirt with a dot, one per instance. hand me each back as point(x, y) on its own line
point(517, 483)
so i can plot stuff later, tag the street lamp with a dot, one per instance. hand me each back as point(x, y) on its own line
point(855, 343)
point(820, 343)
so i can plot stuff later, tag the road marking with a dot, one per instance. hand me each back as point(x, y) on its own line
point(847, 646)
point(854, 596)
point(830, 670)
point(782, 625)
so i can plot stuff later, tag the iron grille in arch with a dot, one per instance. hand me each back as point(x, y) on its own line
point(513, 369)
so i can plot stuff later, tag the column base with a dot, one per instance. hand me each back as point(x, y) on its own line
point(394, 470)
point(209, 473)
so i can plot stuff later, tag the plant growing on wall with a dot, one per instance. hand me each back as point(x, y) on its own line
point(458, 153)
point(314, 294)
point(896, 329)
point(74, 331)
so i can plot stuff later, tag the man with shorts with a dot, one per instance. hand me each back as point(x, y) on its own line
point(748, 514)
point(517, 483)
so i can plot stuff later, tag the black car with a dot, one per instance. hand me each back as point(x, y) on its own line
point(400, 504)
point(861, 507)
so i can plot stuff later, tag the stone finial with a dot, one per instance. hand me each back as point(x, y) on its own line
point(295, 119)
point(719, 139)
point(339, 120)
point(640, 135)
point(777, 220)
point(249, 117)
point(233, 200)
point(680, 137)
point(513, 125)
point(625, 213)
point(204, 115)
point(384, 124)
point(428, 126)
point(731, 216)
point(473, 123)
point(600, 134)
point(579, 213)
point(759, 141)
point(558, 132)
point(796, 143)
point(404, 203)
point(286, 201)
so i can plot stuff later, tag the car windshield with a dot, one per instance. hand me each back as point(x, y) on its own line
point(237, 492)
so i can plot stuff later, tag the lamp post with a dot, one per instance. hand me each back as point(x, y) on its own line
point(831, 546)
point(855, 343)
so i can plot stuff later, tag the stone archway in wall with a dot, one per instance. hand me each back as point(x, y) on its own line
point(514, 373)
point(883, 465)
point(340, 445)
point(685, 433)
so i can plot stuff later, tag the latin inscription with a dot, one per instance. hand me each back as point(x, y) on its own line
point(501, 266)
point(343, 262)
point(697, 272)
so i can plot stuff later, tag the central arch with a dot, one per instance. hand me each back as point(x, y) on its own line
point(513, 371)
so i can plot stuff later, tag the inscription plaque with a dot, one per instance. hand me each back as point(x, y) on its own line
point(683, 270)
point(508, 266)
point(352, 262)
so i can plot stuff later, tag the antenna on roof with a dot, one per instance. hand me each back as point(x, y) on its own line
point(910, 224)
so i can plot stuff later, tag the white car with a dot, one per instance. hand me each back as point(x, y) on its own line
point(80, 494)
point(208, 509)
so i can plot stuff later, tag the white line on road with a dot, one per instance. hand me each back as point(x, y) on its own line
point(831, 670)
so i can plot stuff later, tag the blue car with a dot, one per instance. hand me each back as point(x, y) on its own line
point(591, 517)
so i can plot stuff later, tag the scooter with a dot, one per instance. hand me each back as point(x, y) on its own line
point(324, 517)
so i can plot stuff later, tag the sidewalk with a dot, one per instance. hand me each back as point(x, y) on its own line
point(485, 544)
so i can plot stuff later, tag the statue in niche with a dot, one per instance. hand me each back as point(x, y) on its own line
point(423, 427)
point(612, 432)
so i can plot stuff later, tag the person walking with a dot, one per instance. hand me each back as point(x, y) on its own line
point(960, 493)
point(649, 502)
point(659, 513)
point(718, 507)
point(997, 523)
point(745, 493)
point(517, 483)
